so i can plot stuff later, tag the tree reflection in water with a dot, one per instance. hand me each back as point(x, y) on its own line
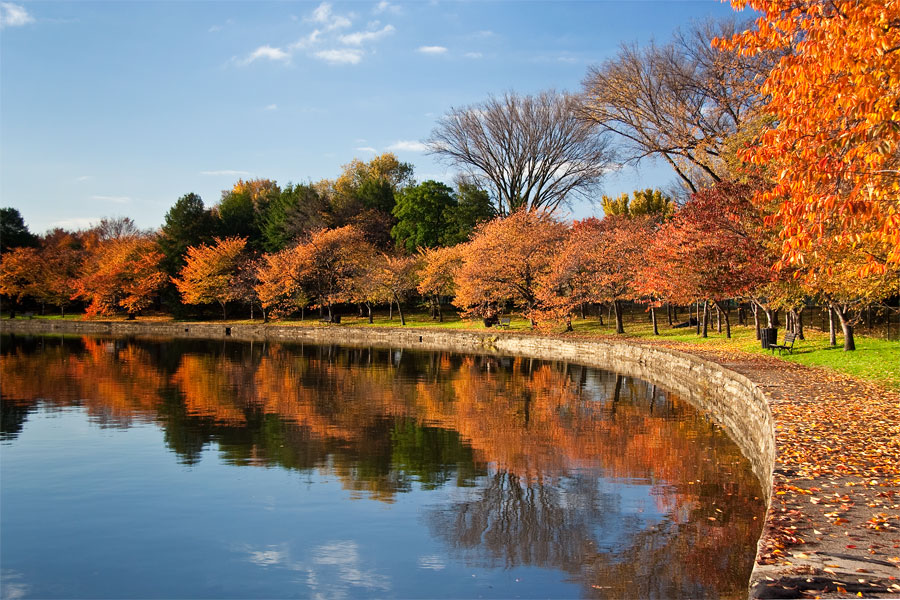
point(524, 449)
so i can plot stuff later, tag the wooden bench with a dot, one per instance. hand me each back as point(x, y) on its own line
point(504, 322)
point(331, 319)
point(789, 338)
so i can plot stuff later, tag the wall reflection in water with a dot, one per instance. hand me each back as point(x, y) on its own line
point(539, 463)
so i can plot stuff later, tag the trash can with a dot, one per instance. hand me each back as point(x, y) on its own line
point(769, 337)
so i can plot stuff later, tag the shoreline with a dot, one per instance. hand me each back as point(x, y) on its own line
point(745, 397)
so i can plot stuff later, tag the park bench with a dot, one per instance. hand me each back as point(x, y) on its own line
point(789, 338)
point(29, 315)
point(331, 319)
point(504, 322)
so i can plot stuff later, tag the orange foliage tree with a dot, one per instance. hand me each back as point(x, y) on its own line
point(833, 148)
point(211, 272)
point(505, 262)
point(598, 263)
point(437, 275)
point(323, 269)
point(121, 270)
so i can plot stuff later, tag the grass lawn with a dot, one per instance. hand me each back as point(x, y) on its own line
point(875, 359)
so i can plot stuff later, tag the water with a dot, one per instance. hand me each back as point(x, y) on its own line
point(158, 469)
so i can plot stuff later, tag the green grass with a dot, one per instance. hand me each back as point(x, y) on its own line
point(875, 359)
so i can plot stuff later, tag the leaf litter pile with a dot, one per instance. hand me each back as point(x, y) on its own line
point(833, 527)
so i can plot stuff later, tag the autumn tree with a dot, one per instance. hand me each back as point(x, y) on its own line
point(679, 102)
point(437, 276)
point(60, 256)
point(833, 142)
point(714, 248)
point(122, 269)
point(394, 277)
point(18, 267)
point(505, 262)
point(211, 272)
point(597, 263)
point(323, 269)
point(279, 284)
point(640, 203)
point(530, 152)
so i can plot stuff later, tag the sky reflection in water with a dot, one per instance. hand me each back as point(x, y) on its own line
point(377, 473)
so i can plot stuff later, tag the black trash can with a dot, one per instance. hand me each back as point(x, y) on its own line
point(769, 337)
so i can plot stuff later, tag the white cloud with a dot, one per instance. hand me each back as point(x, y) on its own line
point(267, 52)
point(307, 41)
point(14, 15)
point(385, 6)
point(114, 199)
point(408, 146)
point(272, 107)
point(367, 149)
point(473, 55)
point(431, 49)
point(83, 178)
point(358, 38)
point(323, 15)
point(225, 173)
point(341, 56)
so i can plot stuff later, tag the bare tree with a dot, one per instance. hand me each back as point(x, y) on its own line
point(530, 152)
point(679, 102)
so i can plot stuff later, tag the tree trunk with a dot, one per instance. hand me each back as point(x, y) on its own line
point(718, 320)
point(400, 312)
point(440, 312)
point(669, 313)
point(755, 310)
point(844, 318)
point(797, 322)
point(653, 319)
point(369, 308)
point(832, 334)
point(617, 307)
point(724, 311)
point(391, 310)
point(600, 314)
point(224, 316)
point(251, 311)
point(569, 322)
point(330, 315)
point(705, 318)
point(697, 309)
point(675, 314)
point(775, 321)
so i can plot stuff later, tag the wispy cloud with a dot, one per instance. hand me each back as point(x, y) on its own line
point(14, 15)
point(83, 178)
point(360, 37)
point(473, 55)
point(272, 107)
point(367, 149)
point(306, 41)
point(225, 173)
point(324, 16)
point(385, 6)
point(268, 53)
point(432, 50)
point(113, 199)
point(408, 146)
point(75, 223)
point(340, 56)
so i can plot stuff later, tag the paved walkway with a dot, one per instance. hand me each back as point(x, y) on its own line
point(833, 528)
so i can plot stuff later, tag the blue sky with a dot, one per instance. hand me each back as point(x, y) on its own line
point(119, 108)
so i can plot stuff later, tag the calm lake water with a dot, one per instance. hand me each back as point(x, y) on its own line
point(134, 468)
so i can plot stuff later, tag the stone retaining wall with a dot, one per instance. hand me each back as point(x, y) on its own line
point(738, 404)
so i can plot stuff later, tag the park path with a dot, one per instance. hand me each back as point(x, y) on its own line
point(833, 528)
